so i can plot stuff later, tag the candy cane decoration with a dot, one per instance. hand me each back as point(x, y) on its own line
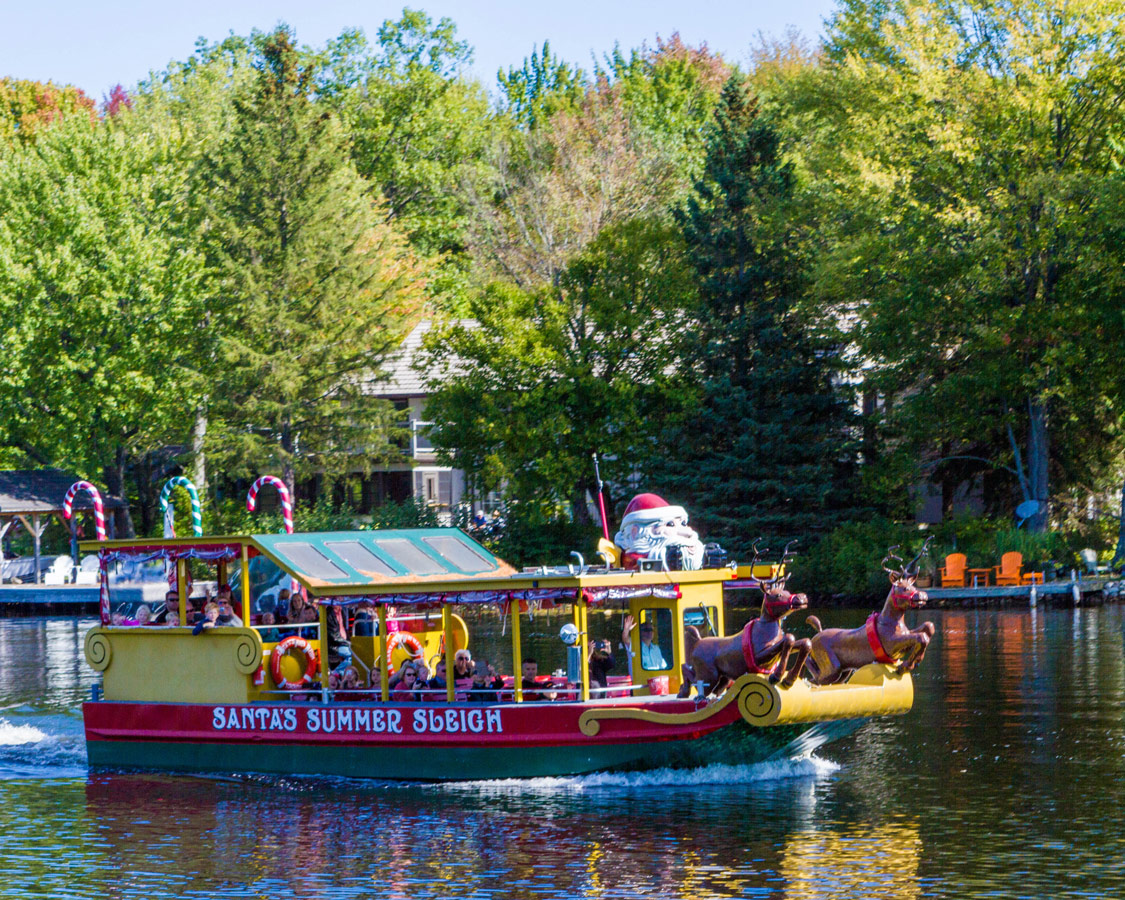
point(196, 513)
point(283, 492)
point(99, 530)
point(99, 509)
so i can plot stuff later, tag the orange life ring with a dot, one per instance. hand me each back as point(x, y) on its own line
point(293, 642)
point(413, 647)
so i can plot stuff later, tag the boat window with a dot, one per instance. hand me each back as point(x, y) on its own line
point(705, 618)
point(359, 557)
point(310, 561)
point(460, 554)
point(656, 639)
point(412, 557)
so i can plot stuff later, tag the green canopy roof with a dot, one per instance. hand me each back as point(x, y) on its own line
point(352, 559)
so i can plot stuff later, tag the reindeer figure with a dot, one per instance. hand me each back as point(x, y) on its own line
point(884, 638)
point(762, 647)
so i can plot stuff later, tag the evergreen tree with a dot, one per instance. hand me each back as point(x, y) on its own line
point(318, 285)
point(767, 449)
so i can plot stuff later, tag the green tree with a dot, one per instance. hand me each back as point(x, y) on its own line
point(966, 151)
point(101, 286)
point(317, 285)
point(543, 378)
point(418, 128)
point(543, 86)
point(767, 449)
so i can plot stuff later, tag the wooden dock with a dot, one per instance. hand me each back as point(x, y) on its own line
point(1065, 592)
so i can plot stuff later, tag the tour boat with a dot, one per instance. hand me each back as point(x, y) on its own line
point(240, 700)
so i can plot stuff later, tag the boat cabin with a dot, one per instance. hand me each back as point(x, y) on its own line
point(403, 588)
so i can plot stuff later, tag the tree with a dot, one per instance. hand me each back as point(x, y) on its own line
point(317, 285)
point(27, 107)
point(101, 285)
point(968, 150)
point(543, 378)
point(768, 449)
point(418, 128)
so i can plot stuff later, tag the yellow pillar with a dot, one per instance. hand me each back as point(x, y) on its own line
point(181, 587)
point(447, 627)
point(582, 610)
point(323, 646)
point(384, 673)
point(517, 658)
point(244, 575)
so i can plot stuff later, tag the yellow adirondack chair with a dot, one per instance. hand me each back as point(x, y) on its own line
point(1010, 570)
point(953, 572)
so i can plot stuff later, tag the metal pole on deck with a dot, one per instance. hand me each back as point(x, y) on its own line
point(517, 659)
point(384, 672)
point(447, 628)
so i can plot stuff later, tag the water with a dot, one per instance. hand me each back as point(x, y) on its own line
point(1005, 781)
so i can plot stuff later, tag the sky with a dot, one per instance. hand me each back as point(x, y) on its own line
point(100, 44)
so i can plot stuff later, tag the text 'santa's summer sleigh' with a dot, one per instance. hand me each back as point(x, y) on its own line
point(246, 699)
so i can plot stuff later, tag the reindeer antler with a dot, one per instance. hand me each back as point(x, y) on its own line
point(782, 575)
point(754, 561)
point(911, 569)
point(894, 573)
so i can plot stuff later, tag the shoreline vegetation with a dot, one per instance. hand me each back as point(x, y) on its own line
point(825, 294)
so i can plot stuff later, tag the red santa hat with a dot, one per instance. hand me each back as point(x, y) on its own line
point(646, 508)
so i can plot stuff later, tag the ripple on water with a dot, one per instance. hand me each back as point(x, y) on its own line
point(27, 751)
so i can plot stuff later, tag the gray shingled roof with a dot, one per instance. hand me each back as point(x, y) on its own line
point(24, 491)
point(402, 379)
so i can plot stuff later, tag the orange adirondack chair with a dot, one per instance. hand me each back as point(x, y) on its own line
point(953, 572)
point(1010, 570)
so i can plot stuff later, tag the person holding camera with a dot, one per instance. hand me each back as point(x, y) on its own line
point(600, 664)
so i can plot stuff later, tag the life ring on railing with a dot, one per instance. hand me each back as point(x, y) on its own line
point(293, 642)
point(409, 641)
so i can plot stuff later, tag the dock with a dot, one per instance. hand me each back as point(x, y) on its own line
point(71, 599)
point(1068, 592)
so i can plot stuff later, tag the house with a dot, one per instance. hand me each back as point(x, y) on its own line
point(419, 474)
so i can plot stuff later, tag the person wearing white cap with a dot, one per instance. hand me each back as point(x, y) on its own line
point(650, 526)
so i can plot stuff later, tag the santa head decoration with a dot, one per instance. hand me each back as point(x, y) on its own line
point(651, 525)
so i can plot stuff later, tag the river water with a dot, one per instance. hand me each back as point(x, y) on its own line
point(1006, 780)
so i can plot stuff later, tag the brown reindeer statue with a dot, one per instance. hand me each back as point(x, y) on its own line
point(762, 647)
point(884, 638)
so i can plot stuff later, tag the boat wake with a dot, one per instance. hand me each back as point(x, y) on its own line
point(29, 752)
point(718, 774)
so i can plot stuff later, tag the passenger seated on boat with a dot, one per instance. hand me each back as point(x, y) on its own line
point(486, 683)
point(281, 605)
point(140, 617)
point(227, 615)
point(437, 683)
point(405, 689)
point(531, 683)
point(208, 619)
point(462, 673)
point(170, 611)
point(269, 635)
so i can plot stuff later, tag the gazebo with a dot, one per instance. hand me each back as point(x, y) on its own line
point(33, 496)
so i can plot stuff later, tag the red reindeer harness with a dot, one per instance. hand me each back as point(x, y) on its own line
point(876, 642)
point(748, 652)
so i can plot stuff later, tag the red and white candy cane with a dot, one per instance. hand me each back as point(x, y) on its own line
point(99, 529)
point(283, 492)
point(99, 509)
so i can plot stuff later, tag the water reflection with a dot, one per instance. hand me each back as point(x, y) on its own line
point(1005, 781)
